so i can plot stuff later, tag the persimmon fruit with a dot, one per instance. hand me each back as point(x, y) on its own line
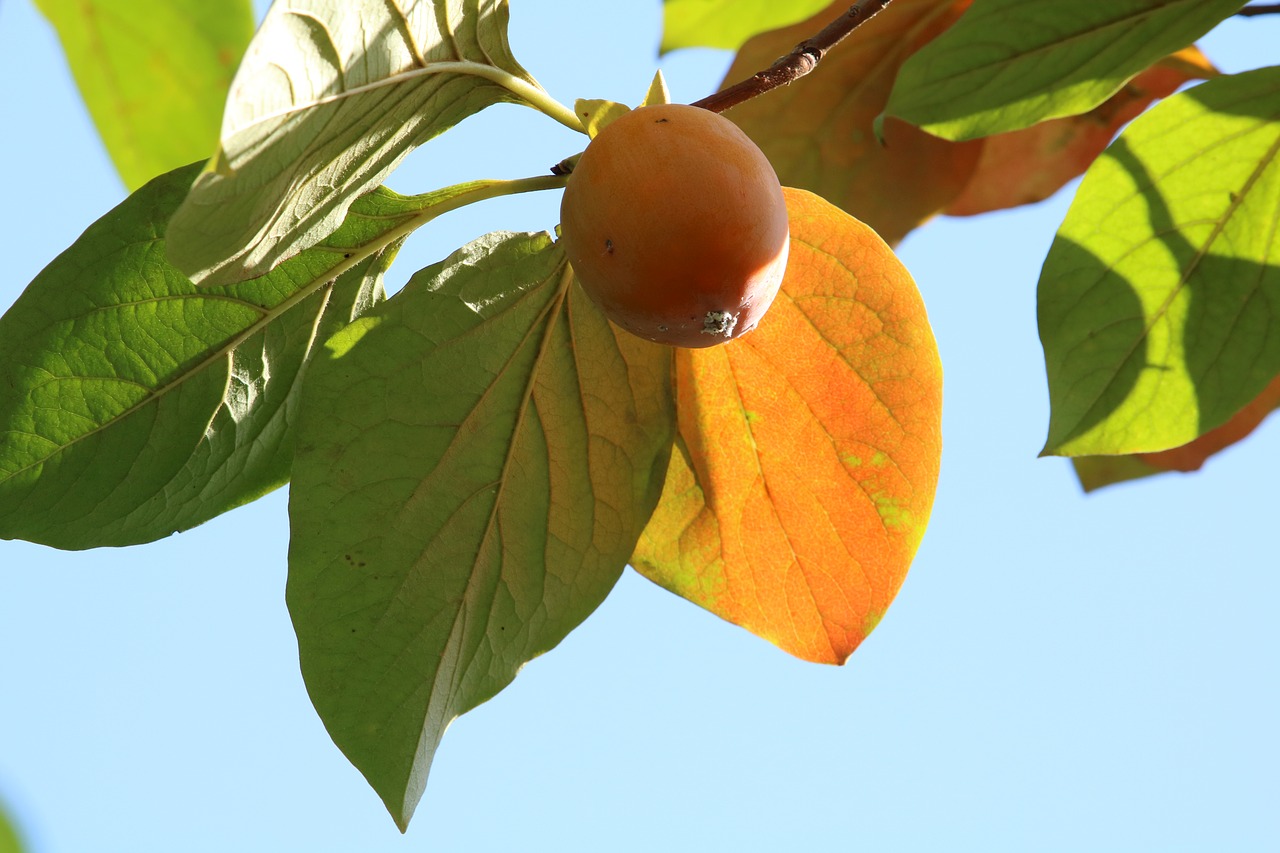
point(676, 226)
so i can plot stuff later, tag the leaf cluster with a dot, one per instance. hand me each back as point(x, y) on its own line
point(476, 459)
point(1154, 303)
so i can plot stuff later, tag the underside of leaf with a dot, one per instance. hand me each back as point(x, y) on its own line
point(133, 404)
point(328, 100)
point(478, 457)
point(1010, 64)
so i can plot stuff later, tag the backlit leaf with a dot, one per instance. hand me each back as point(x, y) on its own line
point(818, 131)
point(1192, 456)
point(133, 404)
point(329, 99)
point(477, 458)
point(153, 75)
point(1159, 302)
point(727, 23)
point(1026, 166)
point(809, 449)
point(1098, 471)
point(1009, 64)
point(658, 92)
point(596, 114)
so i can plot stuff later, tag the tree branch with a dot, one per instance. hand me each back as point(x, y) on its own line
point(799, 62)
point(1260, 9)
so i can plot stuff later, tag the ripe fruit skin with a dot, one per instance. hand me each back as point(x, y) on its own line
point(676, 226)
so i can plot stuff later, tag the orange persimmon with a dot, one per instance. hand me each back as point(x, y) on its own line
point(675, 225)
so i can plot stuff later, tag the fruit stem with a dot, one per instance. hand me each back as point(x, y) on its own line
point(565, 166)
point(799, 62)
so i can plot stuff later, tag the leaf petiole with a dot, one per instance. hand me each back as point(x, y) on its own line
point(531, 93)
point(458, 196)
point(536, 96)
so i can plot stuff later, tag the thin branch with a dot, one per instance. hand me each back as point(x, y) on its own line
point(799, 62)
point(1260, 9)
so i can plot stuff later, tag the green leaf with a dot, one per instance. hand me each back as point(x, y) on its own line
point(477, 458)
point(329, 99)
point(658, 92)
point(728, 23)
point(153, 75)
point(596, 114)
point(1159, 302)
point(1098, 471)
point(1008, 64)
point(10, 841)
point(133, 404)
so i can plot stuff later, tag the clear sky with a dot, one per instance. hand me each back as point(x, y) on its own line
point(1059, 672)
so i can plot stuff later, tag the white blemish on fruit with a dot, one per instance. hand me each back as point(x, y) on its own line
point(719, 323)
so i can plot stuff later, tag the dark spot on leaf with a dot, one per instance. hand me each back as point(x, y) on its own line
point(608, 247)
point(346, 256)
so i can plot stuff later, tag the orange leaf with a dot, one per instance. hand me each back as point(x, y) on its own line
point(1030, 165)
point(809, 448)
point(818, 132)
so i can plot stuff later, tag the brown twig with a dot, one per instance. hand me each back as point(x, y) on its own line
point(799, 62)
point(1260, 9)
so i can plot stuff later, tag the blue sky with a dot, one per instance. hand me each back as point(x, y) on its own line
point(1059, 672)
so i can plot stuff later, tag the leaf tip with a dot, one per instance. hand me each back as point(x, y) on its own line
point(658, 92)
point(596, 114)
point(877, 127)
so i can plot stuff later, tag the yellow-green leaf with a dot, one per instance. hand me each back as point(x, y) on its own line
point(596, 114)
point(154, 75)
point(1098, 471)
point(727, 23)
point(658, 92)
point(1159, 301)
point(10, 840)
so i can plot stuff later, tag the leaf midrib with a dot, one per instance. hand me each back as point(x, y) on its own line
point(453, 640)
point(1219, 226)
point(1010, 59)
point(268, 316)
